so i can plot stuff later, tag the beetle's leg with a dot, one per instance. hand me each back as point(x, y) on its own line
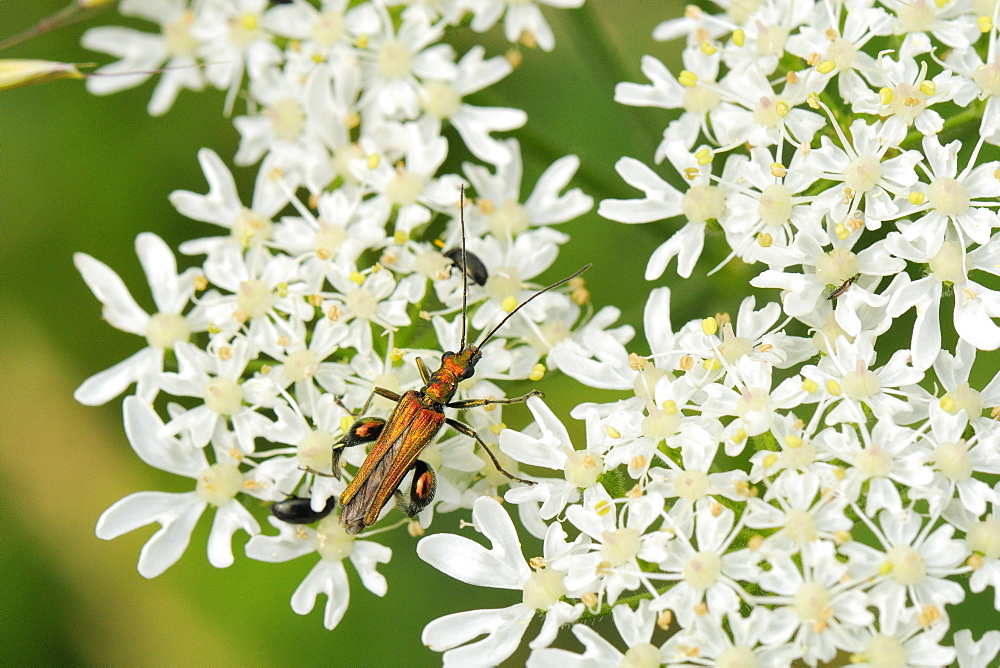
point(363, 431)
point(382, 392)
point(421, 489)
point(471, 433)
point(472, 403)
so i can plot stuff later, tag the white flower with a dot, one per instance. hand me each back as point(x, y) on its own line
point(523, 20)
point(163, 330)
point(177, 514)
point(500, 567)
point(635, 628)
point(333, 544)
point(172, 52)
point(248, 227)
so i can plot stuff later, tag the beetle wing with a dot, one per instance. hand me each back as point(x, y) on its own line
point(410, 427)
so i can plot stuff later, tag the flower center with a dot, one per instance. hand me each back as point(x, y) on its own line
point(812, 602)
point(583, 467)
point(984, 537)
point(702, 570)
point(394, 59)
point(703, 203)
point(619, 547)
point(165, 329)
point(843, 53)
point(800, 526)
point(404, 188)
point(691, 485)
point(775, 205)
point(301, 365)
point(544, 588)
point(224, 396)
point(328, 29)
point(508, 220)
point(837, 266)
point(863, 173)
point(441, 99)
point(948, 196)
point(287, 118)
point(332, 541)
point(907, 565)
point(874, 461)
point(248, 227)
point(314, 450)
point(953, 460)
point(219, 483)
point(946, 265)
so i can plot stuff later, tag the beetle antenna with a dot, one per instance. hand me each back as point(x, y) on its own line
point(525, 302)
point(465, 263)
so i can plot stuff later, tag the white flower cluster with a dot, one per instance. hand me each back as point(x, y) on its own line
point(795, 492)
point(257, 361)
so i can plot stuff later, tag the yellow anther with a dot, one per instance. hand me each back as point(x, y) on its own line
point(885, 96)
point(537, 372)
point(947, 404)
point(669, 407)
point(687, 78)
point(927, 87)
point(612, 432)
point(810, 386)
point(985, 23)
point(739, 436)
point(497, 428)
point(357, 277)
point(373, 160)
point(842, 231)
point(396, 355)
point(770, 460)
point(200, 283)
point(637, 362)
point(778, 170)
point(739, 37)
point(813, 100)
point(691, 173)
point(916, 197)
point(602, 508)
point(826, 67)
point(400, 237)
point(508, 304)
point(704, 156)
point(765, 240)
point(833, 387)
point(709, 326)
point(793, 441)
point(708, 48)
point(782, 109)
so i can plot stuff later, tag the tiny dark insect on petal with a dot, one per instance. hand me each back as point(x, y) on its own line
point(474, 267)
point(843, 288)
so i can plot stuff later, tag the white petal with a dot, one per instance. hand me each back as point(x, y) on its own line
point(327, 577)
point(176, 513)
point(504, 628)
point(105, 385)
point(502, 567)
point(228, 519)
point(120, 308)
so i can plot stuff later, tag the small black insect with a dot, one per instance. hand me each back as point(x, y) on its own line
point(843, 288)
point(297, 510)
point(474, 267)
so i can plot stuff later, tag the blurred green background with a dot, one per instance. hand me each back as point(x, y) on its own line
point(79, 173)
